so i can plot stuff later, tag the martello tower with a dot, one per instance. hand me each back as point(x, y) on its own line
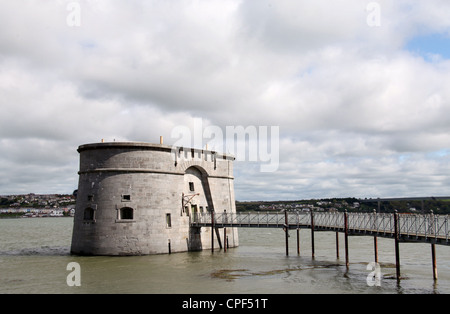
point(138, 198)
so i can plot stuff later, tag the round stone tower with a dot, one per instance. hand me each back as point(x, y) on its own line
point(138, 198)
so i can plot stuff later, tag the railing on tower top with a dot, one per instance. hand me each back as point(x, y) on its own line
point(410, 225)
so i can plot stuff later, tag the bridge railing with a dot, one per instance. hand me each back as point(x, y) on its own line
point(424, 225)
point(371, 222)
point(410, 225)
point(252, 219)
point(328, 220)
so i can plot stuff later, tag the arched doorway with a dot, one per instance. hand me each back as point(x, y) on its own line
point(196, 193)
point(197, 201)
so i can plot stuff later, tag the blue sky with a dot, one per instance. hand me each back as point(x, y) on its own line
point(429, 45)
point(361, 102)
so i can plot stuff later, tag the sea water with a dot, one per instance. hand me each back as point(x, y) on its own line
point(35, 255)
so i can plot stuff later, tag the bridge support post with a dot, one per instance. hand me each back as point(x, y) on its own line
point(212, 231)
point(397, 247)
point(433, 243)
point(298, 241)
point(375, 248)
point(337, 245)
point(286, 226)
point(312, 233)
point(225, 239)
point(346, 238)
point(375, 239)
point(433, 259)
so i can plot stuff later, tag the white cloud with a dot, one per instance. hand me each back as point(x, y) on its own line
point(358, 113)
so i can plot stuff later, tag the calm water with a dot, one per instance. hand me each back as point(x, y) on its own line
point(34, 254)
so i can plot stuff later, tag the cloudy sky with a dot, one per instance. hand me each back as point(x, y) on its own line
point(359, 90)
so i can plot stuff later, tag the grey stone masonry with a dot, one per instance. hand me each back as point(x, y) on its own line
point(138, 198)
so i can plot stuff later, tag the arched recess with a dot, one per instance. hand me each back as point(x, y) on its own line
point(198, 164)
point(197, 200)
point(196, 192)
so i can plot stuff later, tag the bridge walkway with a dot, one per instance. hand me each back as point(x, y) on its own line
point(428, 228)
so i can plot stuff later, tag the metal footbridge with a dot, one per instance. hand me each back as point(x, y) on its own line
point(408, 227)
point(427, 228)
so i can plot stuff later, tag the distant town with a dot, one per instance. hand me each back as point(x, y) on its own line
point(37, 205)
point(300, 206)
point(63, 205)
point(438, 206)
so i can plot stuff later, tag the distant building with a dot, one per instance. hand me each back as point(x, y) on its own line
point(56, 213)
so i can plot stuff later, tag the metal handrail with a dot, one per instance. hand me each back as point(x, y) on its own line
point(412, 225)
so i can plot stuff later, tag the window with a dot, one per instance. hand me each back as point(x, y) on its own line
point(126, 197)
point(168, 221)
point(90, 198)
point(88, 214)
point(126, 213)
point(191, 186)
